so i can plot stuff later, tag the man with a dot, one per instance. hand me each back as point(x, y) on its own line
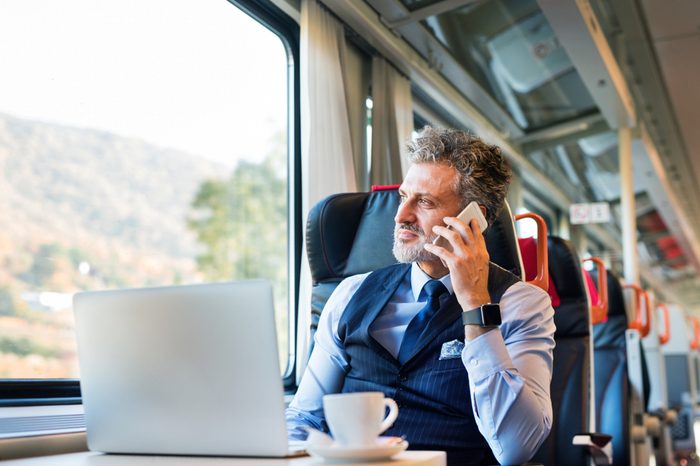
point(471, 390)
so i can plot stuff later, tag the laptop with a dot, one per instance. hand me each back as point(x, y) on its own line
point(182, 370)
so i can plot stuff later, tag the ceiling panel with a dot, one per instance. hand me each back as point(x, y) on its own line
point(672, 18)
point(680, 65)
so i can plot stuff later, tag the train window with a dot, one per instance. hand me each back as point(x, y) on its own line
point(534, 201)
point(132, 158)
point(428, 112)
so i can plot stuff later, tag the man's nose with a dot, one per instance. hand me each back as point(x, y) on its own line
point(404, 214)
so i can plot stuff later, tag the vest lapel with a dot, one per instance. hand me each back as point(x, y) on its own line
point(373, 303)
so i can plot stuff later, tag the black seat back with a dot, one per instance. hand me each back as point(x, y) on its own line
point(348, 234)
point(570, 391)
point(611, 383)
point(502, 243)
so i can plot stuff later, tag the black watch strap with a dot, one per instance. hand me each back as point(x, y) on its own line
point(486, 315)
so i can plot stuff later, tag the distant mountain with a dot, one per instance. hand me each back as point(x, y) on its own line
point(109, 198)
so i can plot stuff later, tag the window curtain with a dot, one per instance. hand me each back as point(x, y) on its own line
point(326, 148)
point(392, 123)
point(357, 69)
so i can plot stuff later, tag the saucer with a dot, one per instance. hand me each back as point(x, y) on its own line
point(339, 454)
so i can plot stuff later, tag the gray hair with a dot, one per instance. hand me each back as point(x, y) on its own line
point(484, 174)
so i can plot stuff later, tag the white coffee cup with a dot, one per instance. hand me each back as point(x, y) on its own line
point(356, 419)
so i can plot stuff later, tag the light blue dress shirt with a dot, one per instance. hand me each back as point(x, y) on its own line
point(509, 370)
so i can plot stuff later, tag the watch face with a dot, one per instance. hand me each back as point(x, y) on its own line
point(491, 315)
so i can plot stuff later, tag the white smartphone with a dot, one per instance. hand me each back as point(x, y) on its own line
point(471, 211)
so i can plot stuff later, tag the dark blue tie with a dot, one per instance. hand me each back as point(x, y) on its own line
point(434, 289)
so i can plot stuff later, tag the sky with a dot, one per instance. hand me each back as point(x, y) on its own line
point(195, 75)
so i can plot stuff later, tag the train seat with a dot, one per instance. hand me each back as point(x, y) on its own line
point(612, 402)
point(681, 381)
point(353, 233)
point(348, 234)
point(570, 390)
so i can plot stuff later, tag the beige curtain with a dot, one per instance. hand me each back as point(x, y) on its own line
point(392, 123)
point(357, 69)
point(327, 156)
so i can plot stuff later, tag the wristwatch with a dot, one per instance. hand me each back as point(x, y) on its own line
point(486, 315)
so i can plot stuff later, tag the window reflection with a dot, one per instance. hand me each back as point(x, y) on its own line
point(509, 48)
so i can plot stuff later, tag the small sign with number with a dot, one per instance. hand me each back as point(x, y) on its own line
point(600, 212)
point(596, 212)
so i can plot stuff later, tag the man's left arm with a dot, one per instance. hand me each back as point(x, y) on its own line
point(510, 373)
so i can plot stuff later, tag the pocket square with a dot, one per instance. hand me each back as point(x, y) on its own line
point(451, 349)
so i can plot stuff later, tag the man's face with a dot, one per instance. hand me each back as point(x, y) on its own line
point(427, 195)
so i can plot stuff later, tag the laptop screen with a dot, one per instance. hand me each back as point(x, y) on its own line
point(188, 369)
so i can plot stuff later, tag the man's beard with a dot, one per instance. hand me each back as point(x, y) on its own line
point(414, 253)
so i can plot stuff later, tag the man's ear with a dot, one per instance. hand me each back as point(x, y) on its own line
point(483, 210)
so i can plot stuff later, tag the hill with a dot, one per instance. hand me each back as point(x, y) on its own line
point(71, 196)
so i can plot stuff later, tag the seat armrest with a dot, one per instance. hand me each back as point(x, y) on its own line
point(652, 424)
point(523, 464)
point(671, 417)
point(599, 446)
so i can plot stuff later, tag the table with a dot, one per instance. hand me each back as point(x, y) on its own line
point(406, 458)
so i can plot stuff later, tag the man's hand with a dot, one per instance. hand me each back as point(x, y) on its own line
point(468, 263)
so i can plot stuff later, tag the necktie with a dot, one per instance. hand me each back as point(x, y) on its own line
point(434, 289)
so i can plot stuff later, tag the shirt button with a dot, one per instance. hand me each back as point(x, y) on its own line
point(402, 378)
point(474, 362)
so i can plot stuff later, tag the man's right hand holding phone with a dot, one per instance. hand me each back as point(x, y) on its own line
point(467, 259)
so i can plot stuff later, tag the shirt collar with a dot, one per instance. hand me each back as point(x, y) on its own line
point(420, 278)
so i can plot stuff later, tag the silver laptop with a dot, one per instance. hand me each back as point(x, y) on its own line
point(182, 370)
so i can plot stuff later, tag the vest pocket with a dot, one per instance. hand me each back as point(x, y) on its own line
point(448, 365)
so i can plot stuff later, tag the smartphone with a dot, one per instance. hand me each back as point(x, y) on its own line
point(471, 211)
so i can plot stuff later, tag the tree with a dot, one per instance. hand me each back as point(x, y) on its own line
point(242, 223)
point(44, 266)
point(212, 224)
point(7, 302)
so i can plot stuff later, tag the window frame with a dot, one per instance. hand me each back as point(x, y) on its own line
point(533, 203)
point(44, 392)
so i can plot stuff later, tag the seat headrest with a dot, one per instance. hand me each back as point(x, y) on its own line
point(616, 300)
point(502, 243)
point(374, 240)
point(528, 251)
point(612, 332)
point(565, 268)
point(353, 233)
point(591, 287)
point(572, 316)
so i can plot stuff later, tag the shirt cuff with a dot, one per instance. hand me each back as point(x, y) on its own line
point(486, 355)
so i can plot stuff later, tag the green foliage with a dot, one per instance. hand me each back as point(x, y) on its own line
point(24, 347)
point(214, 228)
point(7, 303)
point(77, 256)
point(43, 266)
point(242, 224)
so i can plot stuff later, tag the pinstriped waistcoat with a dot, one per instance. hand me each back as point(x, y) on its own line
point(433, 395)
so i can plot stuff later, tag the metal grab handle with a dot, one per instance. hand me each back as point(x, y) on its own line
point(647, 305)
point(643, 326)
point(695, 343)
point(666, 336)
point(599, 310)
point(542, 277)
